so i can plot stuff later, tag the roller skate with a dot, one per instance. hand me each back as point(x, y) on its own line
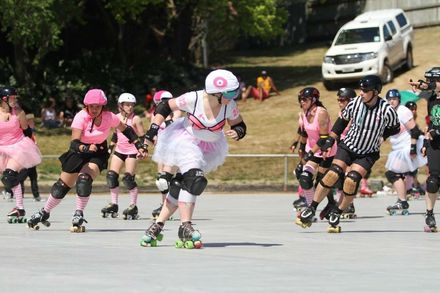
point(77, 222)
point(333, 220)
point(16, 216)
point(39, 217)
point(156, 212)
point(131, 213)
point(431, 226)
point(188, 237)
point(306, 217)
point(300, 204)
point(152, 235)
point(401, 206)
point(366, 192)
point(111, 209)
point(349, 212)
point(326, 210)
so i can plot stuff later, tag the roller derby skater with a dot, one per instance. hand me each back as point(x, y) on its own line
point(87, 156)
point(431, 144)
point(39, 217)
point(17, 150)
point(195, 144)
point(359, 149)
point(125, 154)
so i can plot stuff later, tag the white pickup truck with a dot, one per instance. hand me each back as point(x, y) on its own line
point(375, 42)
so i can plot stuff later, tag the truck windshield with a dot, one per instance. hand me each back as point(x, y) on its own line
point(359, 35)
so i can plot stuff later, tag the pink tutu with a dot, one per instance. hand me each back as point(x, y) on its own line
point(25, 152)
point(177, 147)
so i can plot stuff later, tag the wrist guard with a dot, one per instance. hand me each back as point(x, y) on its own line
point(240, 128)
point(28, 132)
point(74, 145)
point(302, 147)
point(413, 150)
point(152, 132)
point(294, 144)
point(130, 134)
point(114, 137)
point(308, 156)
point(328, 143)
point(434, 133)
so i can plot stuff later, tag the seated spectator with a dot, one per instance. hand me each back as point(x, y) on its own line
point(68, 111)
point(49, 115)
point(265, 86)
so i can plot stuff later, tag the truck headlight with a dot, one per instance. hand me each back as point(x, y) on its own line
point(368, 56)
point(329, 59)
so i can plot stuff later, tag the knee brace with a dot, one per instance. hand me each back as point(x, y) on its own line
point(332, 176)
point(194, 181)
point(163, 181)
point(129, 181)
point(176, 185)
point(393, 177)
point(432, 184)
point(84, 185)
point(59, 189)
point(112, 179)
point(351, 183)
point(306, 180)
point(10, 178)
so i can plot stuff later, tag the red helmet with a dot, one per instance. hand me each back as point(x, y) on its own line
point(96, 97)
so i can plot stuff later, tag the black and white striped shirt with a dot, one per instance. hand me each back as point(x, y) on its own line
point(367, 124)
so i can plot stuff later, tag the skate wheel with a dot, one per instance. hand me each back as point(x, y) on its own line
point(159, 237)
point(73, 229)
point(198, 244)
point(332, 229)
point(24, 220)
point(10, 221)
point(179, 244)
point(430, 229)
point(196, 236)
point(303, 225)
point(104, 215)
point(114, 215)
point(405, 212)
point(153, 243)
point(189, 244)
point(82, 229)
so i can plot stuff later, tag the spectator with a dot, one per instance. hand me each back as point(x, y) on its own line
point(49, 115)
point(262, 91)
point(70, 108)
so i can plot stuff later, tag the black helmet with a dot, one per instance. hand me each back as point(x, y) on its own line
point(8, 91)
point(411, 105)
point(347, 93)
point(393, 93)
point(370, 83)
point(309, 93)
point(433, 74)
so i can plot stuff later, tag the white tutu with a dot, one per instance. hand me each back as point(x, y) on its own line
point(176, 147)
point(420, 160)
point(399, 159)
point(25, 152)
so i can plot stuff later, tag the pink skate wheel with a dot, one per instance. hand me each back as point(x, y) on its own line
point(198, 244)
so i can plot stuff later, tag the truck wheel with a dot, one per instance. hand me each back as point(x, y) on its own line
point(409, 60)
point(330, 85)
point(387, 73)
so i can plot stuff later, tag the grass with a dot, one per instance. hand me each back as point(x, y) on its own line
point(272, 123)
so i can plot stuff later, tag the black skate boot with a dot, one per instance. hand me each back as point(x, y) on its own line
point(131, 213)
point(188, 237)
point(349, 212)
point(77, 222)
point(152, 235)
point(157, 211)
point(306, 217)
point(431, 226)
point(300, 204)
point(326, 211)
point(40, 216)
point(333, 220)
point(111, 209)
point(16, 216)
point(401, 206)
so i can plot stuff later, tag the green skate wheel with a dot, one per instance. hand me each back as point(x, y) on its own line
point(153, 243)
point(179, 244)
point(15, 220)
point(143, 243)
point(189, 244)
point(159, 237)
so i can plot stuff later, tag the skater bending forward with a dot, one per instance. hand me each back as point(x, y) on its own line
point(195, 144)
point(86, 157)
point(372, 119)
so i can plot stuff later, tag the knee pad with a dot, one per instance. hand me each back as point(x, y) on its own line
point(351, 183)
point(112, 179)
point(176, 185)
point(84, 185)
point(306, 180)
point(194, 181)
point(432, 184)
point(59, 189)
point(10, 178)
point(332, 176)
point(129, 181)
point(163, 180)
point(393, 177)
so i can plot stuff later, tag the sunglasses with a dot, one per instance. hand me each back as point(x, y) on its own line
point(230, 95)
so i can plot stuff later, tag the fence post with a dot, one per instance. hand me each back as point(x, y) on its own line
point(286, 171)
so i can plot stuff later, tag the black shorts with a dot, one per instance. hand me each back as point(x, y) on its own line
point(72, 162)
point(433, 155)
point(349, 157)
point(124, 157)
point(324, 163)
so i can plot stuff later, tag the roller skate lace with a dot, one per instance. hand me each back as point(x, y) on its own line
point(154, 230)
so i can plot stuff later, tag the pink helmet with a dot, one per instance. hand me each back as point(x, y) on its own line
point(95, 96)
point(161, 95)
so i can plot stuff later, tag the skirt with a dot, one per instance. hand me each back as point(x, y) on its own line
point(25, 152)
point(399, 159)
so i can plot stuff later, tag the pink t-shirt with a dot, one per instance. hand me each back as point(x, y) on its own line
point(99, 134)
point(123, 146)
point(10, 131)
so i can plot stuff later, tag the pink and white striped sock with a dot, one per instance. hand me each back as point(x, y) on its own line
point(134, 195)
point(81, 202)
point(308, 194)
point(114, 192)
point(51, 203)
point(18, 194)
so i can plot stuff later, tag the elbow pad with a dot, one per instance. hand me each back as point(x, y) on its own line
point(415, 132)
point(339, 126)
point(163, 108)
point(130, 134)
point(28, 132)
point(240, 128)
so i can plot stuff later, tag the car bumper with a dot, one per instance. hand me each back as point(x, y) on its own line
point(347, 72)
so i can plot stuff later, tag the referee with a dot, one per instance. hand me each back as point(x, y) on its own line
point(372, 119)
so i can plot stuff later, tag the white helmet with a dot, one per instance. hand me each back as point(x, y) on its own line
point(221, 81)
point(161, 95)
point(126, 97)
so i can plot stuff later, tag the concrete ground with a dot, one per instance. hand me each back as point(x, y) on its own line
point(251, 244)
